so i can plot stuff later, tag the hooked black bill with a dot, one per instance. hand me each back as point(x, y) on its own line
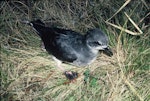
point(108, 51)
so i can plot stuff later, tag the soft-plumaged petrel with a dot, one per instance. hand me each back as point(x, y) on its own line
point(70, 46)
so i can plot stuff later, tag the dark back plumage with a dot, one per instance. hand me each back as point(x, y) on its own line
point(68, 45)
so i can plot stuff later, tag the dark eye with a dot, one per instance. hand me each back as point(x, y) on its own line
point(95, 43)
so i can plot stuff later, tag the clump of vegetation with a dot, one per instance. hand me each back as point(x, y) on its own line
point(28, 73)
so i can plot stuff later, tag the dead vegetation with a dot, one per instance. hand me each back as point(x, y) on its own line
point(28, 73)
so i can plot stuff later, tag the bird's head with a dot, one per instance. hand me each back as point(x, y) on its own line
point(98, 41)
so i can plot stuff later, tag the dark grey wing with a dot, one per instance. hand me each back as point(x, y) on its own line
point(58, 42)
point(65, 43)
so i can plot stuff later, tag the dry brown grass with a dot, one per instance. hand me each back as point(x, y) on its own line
point(29, 74)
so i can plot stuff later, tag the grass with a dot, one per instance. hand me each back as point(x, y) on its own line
point(28, 73)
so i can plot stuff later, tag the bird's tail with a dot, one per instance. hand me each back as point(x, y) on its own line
point(38, 25)
point(32, 23)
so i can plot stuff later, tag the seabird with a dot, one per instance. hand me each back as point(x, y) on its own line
point(72, 47)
